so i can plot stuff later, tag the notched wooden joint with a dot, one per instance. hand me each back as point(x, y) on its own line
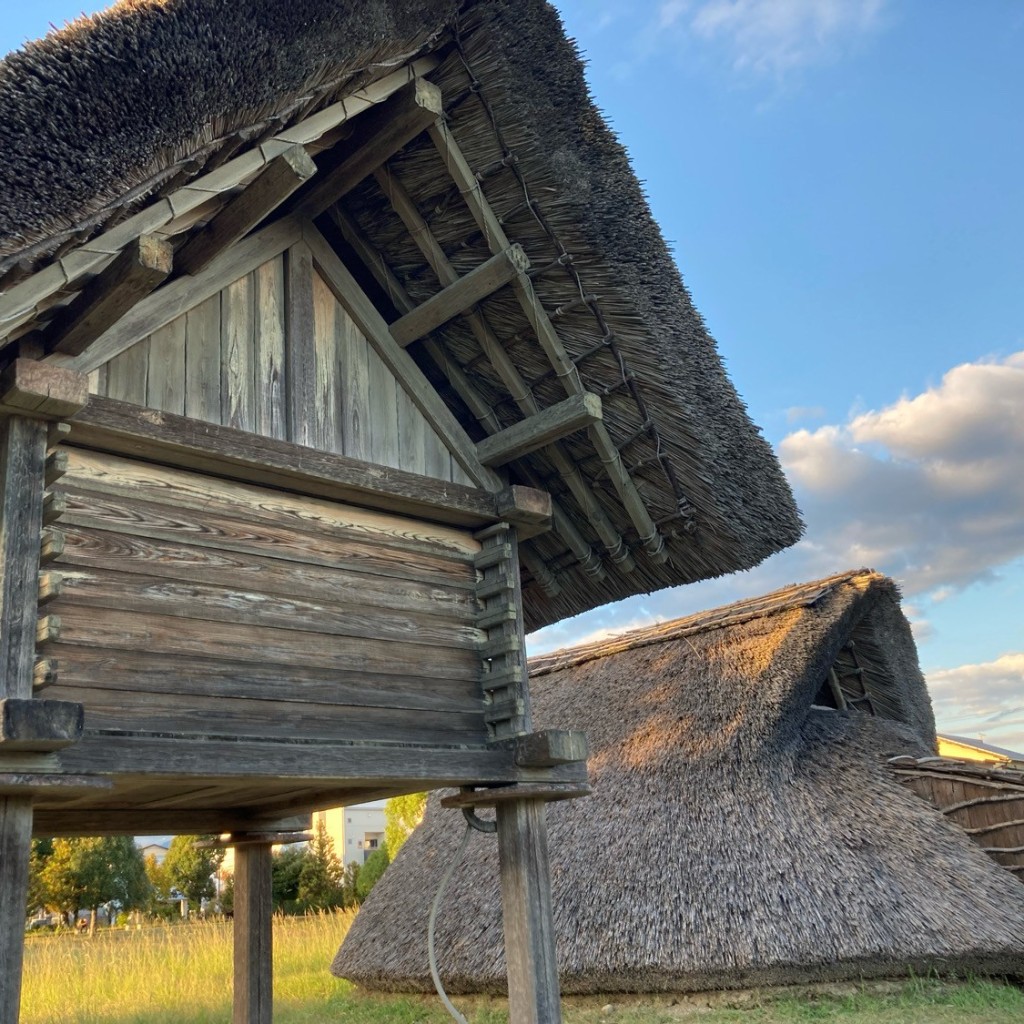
point(547, 748)
point(43, 391)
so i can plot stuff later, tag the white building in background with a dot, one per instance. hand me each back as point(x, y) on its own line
point(355, 831)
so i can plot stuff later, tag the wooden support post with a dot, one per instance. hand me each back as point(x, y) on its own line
point(253, 931)
point(22, 465)
point(533, 994)
point(540, 430)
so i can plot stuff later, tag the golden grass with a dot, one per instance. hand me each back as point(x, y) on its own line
point(181, 974)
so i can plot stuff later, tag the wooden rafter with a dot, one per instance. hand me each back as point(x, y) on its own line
point(494, 234)
point(377, 138)
point(138, 270)
point(461, 295)
point(509, 373)
point(478, 406)
point(21, 302)
point(267, 191)
point(546, 427)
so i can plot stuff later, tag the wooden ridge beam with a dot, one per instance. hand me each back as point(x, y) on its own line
point(461, 295)
point(35, 389)
point(509, 373)
point(540, 430)
point(267, 191)
point(367, 318)
point(376, 139)
point(488, 223)
point(136, 271)
point(20, 303)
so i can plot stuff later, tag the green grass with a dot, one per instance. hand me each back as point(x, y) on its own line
point(181, 974)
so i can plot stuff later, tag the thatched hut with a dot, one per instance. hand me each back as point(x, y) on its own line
point(745, 827)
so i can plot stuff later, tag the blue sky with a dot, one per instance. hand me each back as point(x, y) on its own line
point(841, 181)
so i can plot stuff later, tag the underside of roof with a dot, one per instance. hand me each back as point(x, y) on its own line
point(738, 834)
point(154, 120)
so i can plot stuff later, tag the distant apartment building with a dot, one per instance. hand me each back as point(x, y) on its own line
point(355, 831)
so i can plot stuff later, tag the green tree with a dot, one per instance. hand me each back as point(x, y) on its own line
point(42, 849)
point(160, 881)
point(350, 885)
point(190, 869)
point(83, 874)
point(369, 874)
point(401, 815)
point(321, 874)
point(285, 874)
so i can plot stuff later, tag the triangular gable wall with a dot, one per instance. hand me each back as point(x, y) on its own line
point(226, 361)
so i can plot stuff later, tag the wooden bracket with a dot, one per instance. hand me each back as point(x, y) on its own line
point(541, 429)
point(547, 748)
point(42, 391)
point(494, 796)
point(135, 272)
point(465, 293)
point(39, 725)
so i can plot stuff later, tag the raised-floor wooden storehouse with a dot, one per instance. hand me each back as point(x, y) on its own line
point(338, 347)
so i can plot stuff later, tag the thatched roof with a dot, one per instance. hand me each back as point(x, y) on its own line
point(109, 118)
point(739, 834)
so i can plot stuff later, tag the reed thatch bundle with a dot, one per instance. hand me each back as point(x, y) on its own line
point(117, 111)
point(739, 833)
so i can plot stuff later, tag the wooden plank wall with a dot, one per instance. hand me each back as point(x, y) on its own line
point(194, 606)
point(228, 361)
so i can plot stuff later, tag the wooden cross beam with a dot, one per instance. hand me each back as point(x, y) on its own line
point(540, 430)
point(461, 295)
point(489, 224)
point(42, 391)
point(139, 268)
point(378, 136)
point(268, 190)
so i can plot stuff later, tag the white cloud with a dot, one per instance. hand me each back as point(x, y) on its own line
point(986, 700)
point(775, 36)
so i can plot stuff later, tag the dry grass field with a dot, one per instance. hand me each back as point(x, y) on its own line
point(182, 975)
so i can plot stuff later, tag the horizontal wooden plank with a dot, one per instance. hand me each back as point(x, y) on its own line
point(358, 764)
point(142, 672)
point(122, 552)
point(111, 426)
point(163, 634)
point(541, 429)
point(130, 594)
point(102, 473)
point(192, 715)
point(160, 522)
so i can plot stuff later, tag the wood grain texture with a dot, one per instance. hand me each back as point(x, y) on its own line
point(203, 360)
point(165, 384)
point(269, 356)
point(253, 935)
point(22, 462)
point(128, 374)
point(237, 355)
point(299, 345)
point(323, 403)
point(15, 849)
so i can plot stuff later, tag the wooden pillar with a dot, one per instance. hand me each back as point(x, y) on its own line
point(526, 909)
point(253, 934)
point(22, 468)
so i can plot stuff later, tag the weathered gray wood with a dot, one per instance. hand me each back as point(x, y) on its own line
point(22, 467)
point(355, 374)
point(237, 355)
point(539, 430)
point(411, 433)
point(493, 796)
point(15, 849)
point(165, 386)
point(383, 412)
point(271, 187)
point(138, 270)
point(300, 344)
point(162, 437)
point(322, 405)
point(128, 374)
point(526, 913)
point(253, 932)
point(399, 362)
point(203, 360)
point(269, 300)
point(548, 747)
point(183, 294)
point(465, 293)
point(31, 387)
point(377, 137)
point(102, 821)
point(41, 725)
